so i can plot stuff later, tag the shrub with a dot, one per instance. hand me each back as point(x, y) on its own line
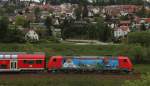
point(14, 35)
point(144, 81)
point(142, 38)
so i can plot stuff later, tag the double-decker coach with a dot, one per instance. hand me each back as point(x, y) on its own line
point(21, 62)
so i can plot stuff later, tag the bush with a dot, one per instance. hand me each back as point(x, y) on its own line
point(4, 23)
point(14, 35)
point(142, 38)
point(144, 81)
point(139, 53)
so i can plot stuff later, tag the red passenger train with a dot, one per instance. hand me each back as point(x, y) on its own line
point(37, 62)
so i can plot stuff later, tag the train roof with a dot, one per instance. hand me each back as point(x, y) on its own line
point(22, 56)
point(31, 56)
point(92, 57)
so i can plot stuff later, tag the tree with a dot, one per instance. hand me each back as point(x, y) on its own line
point(9, 9)
point(21, 21)
point(105, 33)
point(142, 12)
point(142, 27)
point(4, 23)
point(85, 11)
point(124, 17)
point(78, 12)
point(48, 24)
point(14, 35)
point(37, 14)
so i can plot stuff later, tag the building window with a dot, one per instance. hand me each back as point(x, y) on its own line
point(38, 61)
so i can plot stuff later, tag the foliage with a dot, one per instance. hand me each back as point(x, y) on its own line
point(9, 9)
point(2, 12)
point(4, 22)
point(85, 11)
point(14, 35)
point(142, 38)
point(124, 17)
point(143, 27)
point(99, 31)
point(105, 32)
point(9, 35)
point(98, 2)
point(21, 21)
point(144, 81)
point(37, 11)
point(48, 24)
point(78, 12)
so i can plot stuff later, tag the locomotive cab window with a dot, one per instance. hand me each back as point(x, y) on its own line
point(125, 60)
point(54, 60)
point(38, 61)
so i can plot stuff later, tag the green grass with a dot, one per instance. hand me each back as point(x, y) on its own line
point(142, 68)
point(68, 49)
point(78, 80)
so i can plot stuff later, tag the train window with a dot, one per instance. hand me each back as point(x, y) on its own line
point(54, 60)
point(3, 66)
point(28, 61)
point(25, 61)
point(31, 62)
point(38, 61)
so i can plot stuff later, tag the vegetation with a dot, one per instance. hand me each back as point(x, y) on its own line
point(144, 81)
point(97, 2)
point(4, 22)
point(48, 23)
point(137, 53)
point(99, 31)
point(21, 21)
point(142, 38)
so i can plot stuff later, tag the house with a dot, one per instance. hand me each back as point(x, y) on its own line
point(32, 35)
point(121, 31)
point(124, 23)
point(117, 9)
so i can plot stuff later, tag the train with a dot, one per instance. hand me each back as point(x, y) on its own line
point(38, 62)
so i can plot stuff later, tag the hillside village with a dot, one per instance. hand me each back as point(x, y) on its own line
point(35, 21)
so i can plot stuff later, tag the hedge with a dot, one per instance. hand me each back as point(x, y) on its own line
point(142, 38)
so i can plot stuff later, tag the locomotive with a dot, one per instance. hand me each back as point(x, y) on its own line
point(38, 62)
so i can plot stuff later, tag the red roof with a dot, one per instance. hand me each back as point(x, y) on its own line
point(147, 19)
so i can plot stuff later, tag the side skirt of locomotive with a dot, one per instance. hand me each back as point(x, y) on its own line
point(82, 71)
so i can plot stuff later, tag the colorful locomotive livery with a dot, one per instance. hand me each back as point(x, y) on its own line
point(36, 62)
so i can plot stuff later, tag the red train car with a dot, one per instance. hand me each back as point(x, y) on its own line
point(22, 62)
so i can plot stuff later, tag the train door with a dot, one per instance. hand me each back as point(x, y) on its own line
point(13, 65)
